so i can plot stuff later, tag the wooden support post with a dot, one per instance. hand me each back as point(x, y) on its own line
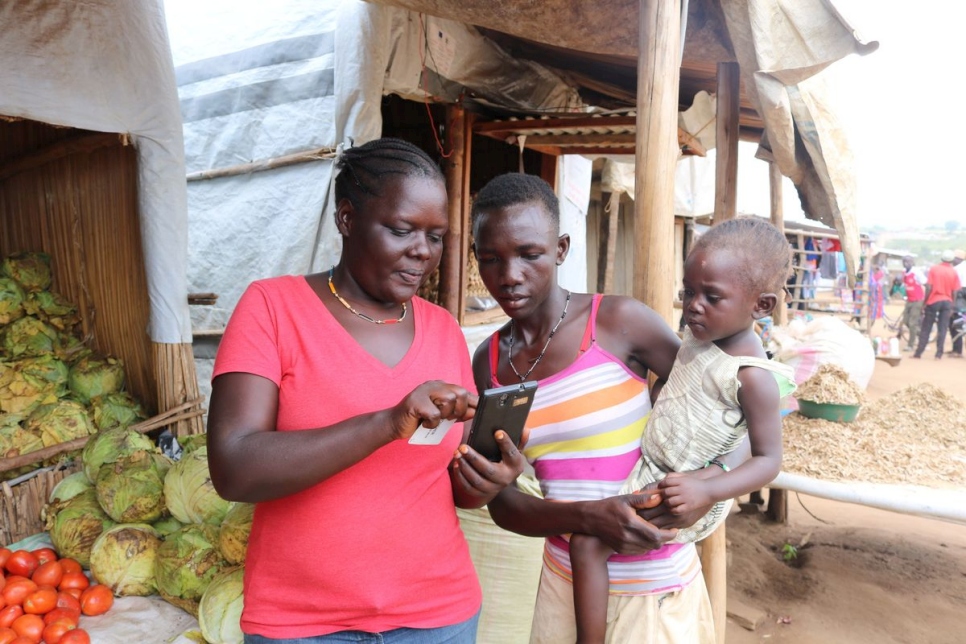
point(452, 262)
point(658, 79)
point(607, 246)
point(726, 162)
point(468, 118)
point(777, 499)
point(714, 565)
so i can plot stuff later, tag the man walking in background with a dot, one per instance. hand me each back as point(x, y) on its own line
point(942, 283)
point(914, 280)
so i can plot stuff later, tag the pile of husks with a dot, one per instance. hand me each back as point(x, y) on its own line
point(830, 385)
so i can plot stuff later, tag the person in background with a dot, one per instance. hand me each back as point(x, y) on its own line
point(942, 282)
point(722, 388)
point(319, 382)
point(591, 356)
point(914, 281)
point(958, 319)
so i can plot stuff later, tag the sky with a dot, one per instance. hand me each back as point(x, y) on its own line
point(891, 105)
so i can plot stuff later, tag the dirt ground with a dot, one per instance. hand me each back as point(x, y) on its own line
point(865, 575)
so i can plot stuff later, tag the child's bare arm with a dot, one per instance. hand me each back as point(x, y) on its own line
point(759, 400)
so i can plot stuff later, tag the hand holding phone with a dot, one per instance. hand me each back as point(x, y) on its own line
point(503, 408)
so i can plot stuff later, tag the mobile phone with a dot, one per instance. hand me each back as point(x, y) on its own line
point(503, 408)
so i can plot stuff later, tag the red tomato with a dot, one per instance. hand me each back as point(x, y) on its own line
point(3, 582)
point(14, 593)
point(7, 635)
point(65, 600)
point(76, 636)
point(4, 555)
point(23, 639)
point(54, 632)
point(8, 614)
point(22, 562)
point(31, 626)
point(74, 580)
point(96, 600)
point(68, 615)
point(69, 565)
point(44, 555)
point(48, 574)
point(41, 601)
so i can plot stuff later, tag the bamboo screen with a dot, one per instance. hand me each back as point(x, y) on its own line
point(73, 195)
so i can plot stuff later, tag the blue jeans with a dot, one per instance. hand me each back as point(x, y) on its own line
point(462, 633)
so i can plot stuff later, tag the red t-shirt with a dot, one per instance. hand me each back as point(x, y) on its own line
point(377, 546)
point(943, 282)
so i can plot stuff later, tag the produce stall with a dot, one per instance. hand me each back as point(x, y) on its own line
point(91, 180)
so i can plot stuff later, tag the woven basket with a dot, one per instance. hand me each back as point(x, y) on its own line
point(21, 504)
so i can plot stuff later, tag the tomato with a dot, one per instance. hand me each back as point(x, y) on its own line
point(96, 600)
point(23, 639)
point(50, 573)
point(44, 555)
point(54, 632)
point(31, 626)
point(4, 555)
point(41, 601)
point(68, 615)
point(65, 600)
point(7, 635)
point(8, 614)
point(22, 562)
point(69, 565)
point(74, 580)
point(14, 593)
point(76, 636)
point(3, 582)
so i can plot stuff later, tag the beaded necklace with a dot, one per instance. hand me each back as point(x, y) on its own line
point(365, 317)
point(509, 351)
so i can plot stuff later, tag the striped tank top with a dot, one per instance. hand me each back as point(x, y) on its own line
point(585, 426)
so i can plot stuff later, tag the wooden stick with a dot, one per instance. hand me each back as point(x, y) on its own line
point(165, 418)
point(265, 164)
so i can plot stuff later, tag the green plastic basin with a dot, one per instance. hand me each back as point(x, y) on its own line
point(828, 411)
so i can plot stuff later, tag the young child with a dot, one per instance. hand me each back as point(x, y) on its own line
point(721, 387)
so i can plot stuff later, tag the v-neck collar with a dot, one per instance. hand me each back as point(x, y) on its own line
point(343, 335)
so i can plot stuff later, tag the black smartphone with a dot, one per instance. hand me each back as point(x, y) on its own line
point(503, 408)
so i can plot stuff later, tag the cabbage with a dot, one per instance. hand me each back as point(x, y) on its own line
point(92, 376)
point(69, 487)
point(29, 270)
point(59, 422)
point(187, 562)
point(29, 337)
point(219, 613)
point(11, 301)
point(52, 308)
point(16, 441)
point(167, 525)
point(189, 493)
point(234, 531)
point(131, 489)
point(192, 442)
point(75, 525)
point(109, 445)
point(118, 409)
point(123, 559)
point(31, 382)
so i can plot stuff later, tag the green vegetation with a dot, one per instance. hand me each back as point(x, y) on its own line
point(789, 552)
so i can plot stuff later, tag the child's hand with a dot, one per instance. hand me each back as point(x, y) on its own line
point(683, 493)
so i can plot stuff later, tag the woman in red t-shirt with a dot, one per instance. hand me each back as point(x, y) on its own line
point(319, 383)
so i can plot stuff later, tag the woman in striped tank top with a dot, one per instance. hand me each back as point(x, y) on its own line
point(591, 356)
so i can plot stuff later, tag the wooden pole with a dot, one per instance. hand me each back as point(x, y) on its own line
point(658, 79)
point(468, 118)
point(726, 123)
point(607, 247)
point(295, 158)
point(778, 221)
point(451, 264)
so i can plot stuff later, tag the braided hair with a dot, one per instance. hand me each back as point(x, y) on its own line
point(364, 169)
point(512, 189)
point(763, 248)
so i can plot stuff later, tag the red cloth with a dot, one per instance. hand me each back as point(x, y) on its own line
point(378, 546)
point(943, 282)
point(914, 290)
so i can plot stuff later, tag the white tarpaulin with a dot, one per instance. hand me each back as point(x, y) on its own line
point(106, 66)
point(295, 75)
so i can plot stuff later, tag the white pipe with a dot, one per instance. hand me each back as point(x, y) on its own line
point(933, 503)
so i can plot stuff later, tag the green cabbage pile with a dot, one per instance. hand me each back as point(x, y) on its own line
point(189, 492)
point(94, 376)
point(59, 422)
point(111, 444)
point(75, 524)
point(131, 489)
point(30, 270)
point(188, 560)
point(220, 609)
point(11, 301)
point(117, 409)
point(234, 532)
